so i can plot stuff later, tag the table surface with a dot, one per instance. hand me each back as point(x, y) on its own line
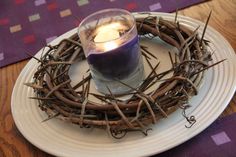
point(13, 144)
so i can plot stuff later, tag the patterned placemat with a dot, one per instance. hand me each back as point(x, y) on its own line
point(218, 140)
point(27, 25)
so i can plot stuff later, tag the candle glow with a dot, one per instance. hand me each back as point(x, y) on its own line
point(114, 26)
point(110, 45)
point(106, 34)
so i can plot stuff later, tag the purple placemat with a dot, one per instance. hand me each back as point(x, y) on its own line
point(218, 140)
point(27, 25)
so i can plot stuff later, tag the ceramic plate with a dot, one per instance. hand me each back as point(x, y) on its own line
point(64, 139)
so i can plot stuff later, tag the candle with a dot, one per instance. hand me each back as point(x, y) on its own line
point(111, 46)
point(114, 59)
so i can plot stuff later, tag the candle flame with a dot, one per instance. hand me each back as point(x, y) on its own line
point(110, 45)
point(107, 34)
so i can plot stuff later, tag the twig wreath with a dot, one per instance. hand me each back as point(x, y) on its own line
point(58, 98)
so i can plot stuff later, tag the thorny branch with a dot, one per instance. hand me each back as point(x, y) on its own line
point(59, 99)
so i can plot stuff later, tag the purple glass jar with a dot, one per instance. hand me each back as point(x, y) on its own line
point(111, 45)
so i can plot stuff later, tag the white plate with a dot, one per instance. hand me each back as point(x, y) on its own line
point(63, 139)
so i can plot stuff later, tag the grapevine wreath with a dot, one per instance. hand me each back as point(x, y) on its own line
point(58, 98)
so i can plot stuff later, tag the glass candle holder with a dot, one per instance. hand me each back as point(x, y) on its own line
point(111, 45)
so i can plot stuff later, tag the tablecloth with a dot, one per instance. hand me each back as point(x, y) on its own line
point(28, 25)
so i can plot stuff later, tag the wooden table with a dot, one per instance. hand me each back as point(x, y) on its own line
point(13, 144)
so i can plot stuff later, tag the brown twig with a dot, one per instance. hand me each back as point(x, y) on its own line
point(59, 99)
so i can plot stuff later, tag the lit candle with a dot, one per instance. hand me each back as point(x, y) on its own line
point(112, 57)
point(106, 34)
point(113, 53)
